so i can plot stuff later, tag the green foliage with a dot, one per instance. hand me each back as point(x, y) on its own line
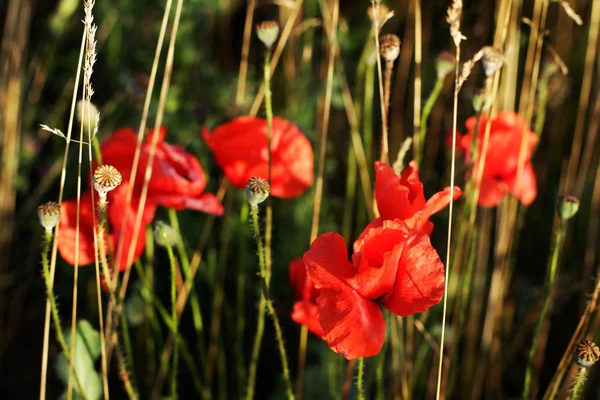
point(87, 351)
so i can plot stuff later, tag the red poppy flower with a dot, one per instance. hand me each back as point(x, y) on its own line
point(402, 197)
point(305, 309)
point(116, 211)
point(240, 148)
point(177, 181)
point(502, 158)
point(396, 267)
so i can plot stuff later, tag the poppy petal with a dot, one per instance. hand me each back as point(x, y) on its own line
point(307, 313)
point(527, 190)
point(353, 326)
point(419, 280)
point(491, 192)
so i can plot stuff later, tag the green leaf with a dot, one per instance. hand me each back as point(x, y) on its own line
point(87, 350)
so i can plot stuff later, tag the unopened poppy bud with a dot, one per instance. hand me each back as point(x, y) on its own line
point(444, 64)
point(479, 99)
point(586, 353)
point(267, 32)
point(49, 214)
point(106, 178)
point(567, 207)
point(389, 47)
point(89, 118)
point(165, 235)
point(257, 191)
point(492, 60)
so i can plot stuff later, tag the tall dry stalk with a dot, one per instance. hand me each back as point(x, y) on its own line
point(453, 18)
point(418, 146)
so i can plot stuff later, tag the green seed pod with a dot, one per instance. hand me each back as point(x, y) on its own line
point(444, 64)
point(165, 235)
point(49, 214)
point(257, 191)
point(267, 32)
point(567, 207)
point(106, 178)
point(586, 353)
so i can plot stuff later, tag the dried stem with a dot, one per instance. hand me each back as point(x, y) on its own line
point(56, 232)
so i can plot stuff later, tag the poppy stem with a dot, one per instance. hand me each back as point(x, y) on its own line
point(579, 382)
point(174, 324)
point(265, 301)
point(269, 209)
point(102, 240)
point(185, 266)
point(360, 379)
point(54, 308)
point(558, 239)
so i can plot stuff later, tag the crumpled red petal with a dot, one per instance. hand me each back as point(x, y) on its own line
point(240, 148)
point(353, 326)
point(307, 313)
point(419, 280)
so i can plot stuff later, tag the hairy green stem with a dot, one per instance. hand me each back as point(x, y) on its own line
point(54, 308)
point(260, 329)
point(558, 238)
point(185, 266)
point(360, 379)
point(240, 326)
point(267, 302)
point(174, 325)
point(577, 391)
point(269, 208)
point(542, 102)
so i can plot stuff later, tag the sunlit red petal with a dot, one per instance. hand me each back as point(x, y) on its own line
point(526, 191)
point(240, 148)
point(436, 203)
point(378, 259)
point(491, 192)
point(307, 313)
point(353, 326)
point(419, 280)
point(359, 242)
point(68, 235)
point(398, 197)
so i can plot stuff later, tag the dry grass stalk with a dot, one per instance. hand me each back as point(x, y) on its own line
point(453, 18)
point(325, 125)
point(570, 12)
point(241, 87)
point(136, 157)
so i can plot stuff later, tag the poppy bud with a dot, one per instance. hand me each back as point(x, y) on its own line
point(165, 235)
point(89, 119)
point(444, 64)
point(586, 353)
point(479, 98)
point(106, 178)
point(567, 207)
point(257, 191)
point(267, 32)
point(389, 47)
point(49, 214)
point(492, 60)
